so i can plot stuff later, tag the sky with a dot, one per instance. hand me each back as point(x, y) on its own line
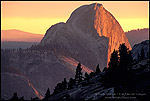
point(38, 16)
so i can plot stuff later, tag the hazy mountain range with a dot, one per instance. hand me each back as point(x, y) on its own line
point(17, 44)
point(16, 38)
point(134, 37)
point(137, 36)
point(17, 35)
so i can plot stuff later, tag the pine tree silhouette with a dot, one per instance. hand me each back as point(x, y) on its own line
point(78, 76)
point(64, 84)
point(92, 74)
point(129, 59)
point(61, 86)
point(47, 95)
point(97, 69)
point(112, 72)
point(15, 97)
point(125, 64)
point(105, 69)
point(87, 78)
point(123, 53)
point(114, 61)
point(119, 70)
point(21, 98)
point(58, 88)
point(71, 83)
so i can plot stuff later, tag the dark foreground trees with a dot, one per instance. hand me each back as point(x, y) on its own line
point(98, 69)
point(118, 75)
point(71, 83)
point(15, 98)
point(111, 75)
point(78, 76)
point(47, 95)
point(119, 72)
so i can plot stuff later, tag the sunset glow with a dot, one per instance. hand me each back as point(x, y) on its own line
point(74, 63)
point(38, 16)
point(36, 92)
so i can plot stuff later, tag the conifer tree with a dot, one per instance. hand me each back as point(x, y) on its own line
point(58, 88)
point(114, 60)
point(86, 75)
point(123, 53)
point(71, 83)
point(129, 59)
point(64, 84)
point(87, 78)
point(125, 64)
point(105, 69)
point(97, 69)
point(92, 74)
point(15, 97)
point(21, 98)
point(111, 73)
point(78, 76)
point(47, 95)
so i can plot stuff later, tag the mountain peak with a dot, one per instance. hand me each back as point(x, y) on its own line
point(97, 5)
point(92, 27)
point(94, 20)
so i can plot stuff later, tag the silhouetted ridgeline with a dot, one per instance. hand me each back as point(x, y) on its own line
point(137, 36)
point(17, 44)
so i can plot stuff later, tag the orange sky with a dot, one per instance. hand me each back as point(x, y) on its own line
point(38, 16)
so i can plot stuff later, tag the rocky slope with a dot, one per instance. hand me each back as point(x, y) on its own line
point(138, 47)
point(30, 71)
point(96, 90)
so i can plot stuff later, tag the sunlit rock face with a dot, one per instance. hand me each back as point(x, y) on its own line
point(90, 35)
point(96, 17)
point(106, 25)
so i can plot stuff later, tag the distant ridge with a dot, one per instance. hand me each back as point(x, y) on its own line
point(137, 35)
point(18, 35)
point(17, 44)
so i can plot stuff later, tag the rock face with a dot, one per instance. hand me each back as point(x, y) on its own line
point(90, 35)
point(138, 47)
